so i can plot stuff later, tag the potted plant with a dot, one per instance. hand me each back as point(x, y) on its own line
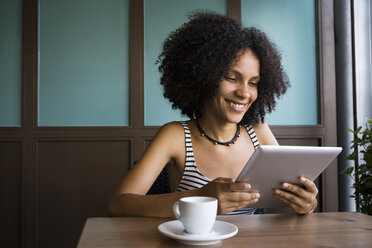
point(362, 174)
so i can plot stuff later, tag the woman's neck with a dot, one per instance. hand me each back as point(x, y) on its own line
point(217, 129)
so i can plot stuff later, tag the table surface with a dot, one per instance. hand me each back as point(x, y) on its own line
point(339, 229)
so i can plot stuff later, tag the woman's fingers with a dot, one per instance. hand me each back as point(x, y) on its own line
point(241, 196)
point(310, 185)
point(286, 197)
point(240, 186)
point(298, 198)
point(233, 200)
point(229, 206)
point(297, 190)
point(238, 192)
point(292, 205)
point(230, 185)
point(230, 195)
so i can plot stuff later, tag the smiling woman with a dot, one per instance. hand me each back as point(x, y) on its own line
point(225, 78)
point(238, 90)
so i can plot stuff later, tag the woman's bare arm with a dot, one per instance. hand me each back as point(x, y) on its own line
point(130, 199)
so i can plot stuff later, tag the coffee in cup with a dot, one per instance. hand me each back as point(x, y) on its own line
point(196, 213)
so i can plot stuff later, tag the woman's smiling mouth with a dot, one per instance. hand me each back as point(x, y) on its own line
point(239, 107)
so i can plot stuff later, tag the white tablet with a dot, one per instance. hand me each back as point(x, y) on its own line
point(270, 166)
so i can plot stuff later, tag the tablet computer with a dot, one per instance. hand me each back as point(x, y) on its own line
point(270, 166)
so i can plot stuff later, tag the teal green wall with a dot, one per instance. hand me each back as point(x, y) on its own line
point(162, 17)
point(84, 63)
point(10, 62)
point(291, 25)
point(84, 59)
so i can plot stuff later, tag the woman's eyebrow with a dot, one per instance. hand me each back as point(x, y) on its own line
point(256, 78)
point(237, 73)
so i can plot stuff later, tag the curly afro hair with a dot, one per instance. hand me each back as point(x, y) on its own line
point(197, 56)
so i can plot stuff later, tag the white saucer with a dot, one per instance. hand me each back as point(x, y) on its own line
point(221, 230)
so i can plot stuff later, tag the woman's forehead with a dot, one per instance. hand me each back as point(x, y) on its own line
point(241, 53)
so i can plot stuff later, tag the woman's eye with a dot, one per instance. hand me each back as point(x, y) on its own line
point(253, 84)
point(230, 79)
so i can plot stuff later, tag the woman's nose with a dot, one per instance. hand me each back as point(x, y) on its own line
point(243, 90)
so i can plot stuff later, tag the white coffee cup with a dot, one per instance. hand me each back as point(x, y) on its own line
point(196, 213)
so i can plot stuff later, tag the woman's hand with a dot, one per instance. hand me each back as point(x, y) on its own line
point(231, 196)
point(301, 200)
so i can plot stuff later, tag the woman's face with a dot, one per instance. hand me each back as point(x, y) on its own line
point(238, 90)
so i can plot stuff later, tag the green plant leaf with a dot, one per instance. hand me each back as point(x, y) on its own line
point(358, 129)
point(368, 158)
point(347, 171)
point(368, 184)
point(352, 156)
point(362, 145)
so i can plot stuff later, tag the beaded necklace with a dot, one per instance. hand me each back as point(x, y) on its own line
point(216, 142)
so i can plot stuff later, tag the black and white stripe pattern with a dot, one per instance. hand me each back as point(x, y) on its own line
point(193, 179)
point(253, 136)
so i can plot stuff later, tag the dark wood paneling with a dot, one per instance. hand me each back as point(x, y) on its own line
point(327, 89)
point(299, 141)
point(234, 9)
point(75, 181)
point(137, 105)
point(30, 54)
point(10, 193)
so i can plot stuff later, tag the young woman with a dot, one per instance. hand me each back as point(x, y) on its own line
point(225, 78)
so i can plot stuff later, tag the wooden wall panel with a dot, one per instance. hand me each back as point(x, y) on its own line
point(299, 141)
point(10, 193)
point(75, 181)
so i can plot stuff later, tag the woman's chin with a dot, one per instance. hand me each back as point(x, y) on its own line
point(235, 119)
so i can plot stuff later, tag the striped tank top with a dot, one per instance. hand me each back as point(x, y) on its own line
point(193, 179)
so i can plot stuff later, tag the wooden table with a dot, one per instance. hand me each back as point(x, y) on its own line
point(342, 229)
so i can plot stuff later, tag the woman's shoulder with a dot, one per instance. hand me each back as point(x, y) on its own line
point(168, 140)
point(171, 131)
point(264, 134)
point(171, 127)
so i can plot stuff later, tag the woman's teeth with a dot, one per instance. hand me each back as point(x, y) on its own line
point(236, 105)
